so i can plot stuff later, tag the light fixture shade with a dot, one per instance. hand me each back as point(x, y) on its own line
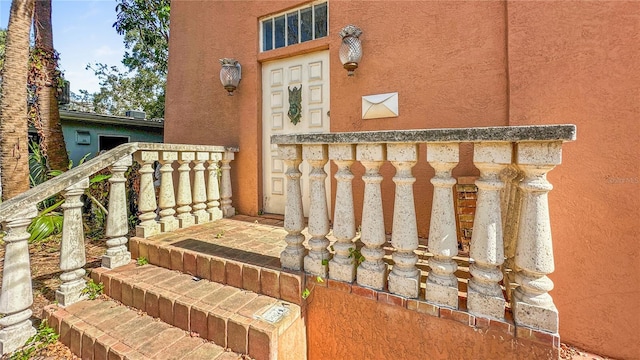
point(351, 48)
point(230, 74)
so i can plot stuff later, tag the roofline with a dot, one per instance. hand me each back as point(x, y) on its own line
point(108, 119)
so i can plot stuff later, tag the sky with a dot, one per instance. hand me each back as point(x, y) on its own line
point(83, 34)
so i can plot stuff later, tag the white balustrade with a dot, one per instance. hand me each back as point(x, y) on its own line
point(167, 199)
point(372, 272)
point(442, 284)
point(343, 264)
point(117, 226)
point(147, 204)
point(16, 214)
point(72, 254)
point(511, 218)
point(16, 295)
point(200, 189)
point(404, 278)
point(487, 249)
point(213, 187)
point(316, 261)
point(225, 185)
point(292, 257)
point(532, 305)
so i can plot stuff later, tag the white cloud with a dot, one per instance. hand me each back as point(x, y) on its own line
point(106, 50)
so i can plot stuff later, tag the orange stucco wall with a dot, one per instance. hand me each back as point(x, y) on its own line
point(458, 64)
point(341, 326)
point(578, 62)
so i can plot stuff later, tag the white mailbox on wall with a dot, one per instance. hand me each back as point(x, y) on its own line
point(380, 106)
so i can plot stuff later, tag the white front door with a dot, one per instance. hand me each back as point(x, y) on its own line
point(309, 72)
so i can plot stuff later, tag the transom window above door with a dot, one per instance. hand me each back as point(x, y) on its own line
point(294, 26)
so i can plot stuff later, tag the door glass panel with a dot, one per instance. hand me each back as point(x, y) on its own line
point(280, 32)
point(267, 35)
point(292, 28)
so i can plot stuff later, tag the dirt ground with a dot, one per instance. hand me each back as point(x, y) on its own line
point(45, 274)
point(45, 258)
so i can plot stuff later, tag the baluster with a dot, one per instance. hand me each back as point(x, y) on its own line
point(316, 155)
point(72, 254)
point(199, 189)
point(147, 204)
point(343, 265)
point(227, 209)
point(442, 284)
point(532, 304)
point(404, 278)
point(16, 295)
point(213, 187)
point(292, 257)
point(184, 200)
point(167, 198)
point(372, 272)
point(487, 249)
point(117, 220)
point(510, 219)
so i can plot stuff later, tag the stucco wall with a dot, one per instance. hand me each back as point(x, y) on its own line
point(578, 62)
point(341, 326)
point(457, 64)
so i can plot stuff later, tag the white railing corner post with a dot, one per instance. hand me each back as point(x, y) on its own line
point(343, 265)
point(442, 284)
point(16, 295)
point(184, 197)
point(147, 204)
point(372, 272)
point(532, 305)
point(225, 184)
point(167, 198)
point(316, 261)
point(292, 257)
point(117, 220)
point(485, 297)
point(404, 278)
point(213, 187)
point(199, 189)
point(72, 252)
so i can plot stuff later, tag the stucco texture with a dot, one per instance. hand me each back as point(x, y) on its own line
point(453, 64)
point(577, 62)
point(341, 326)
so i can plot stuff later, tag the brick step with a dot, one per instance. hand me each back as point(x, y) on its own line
point(230, 317)
point(241, 269)
point(104, 329)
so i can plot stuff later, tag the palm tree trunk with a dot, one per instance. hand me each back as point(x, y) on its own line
point(14, 153)
point(52, 138)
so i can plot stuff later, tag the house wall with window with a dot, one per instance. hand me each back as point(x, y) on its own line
point(456, 64)
point(87, 133)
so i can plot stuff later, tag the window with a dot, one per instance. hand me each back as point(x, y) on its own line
point(109, 142)
point(295, 26)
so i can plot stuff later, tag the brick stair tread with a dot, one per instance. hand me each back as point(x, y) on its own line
point(226, 315)
point(105, 329)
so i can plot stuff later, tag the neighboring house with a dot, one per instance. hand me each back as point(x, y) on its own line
point(453, 64)
point(90, 133)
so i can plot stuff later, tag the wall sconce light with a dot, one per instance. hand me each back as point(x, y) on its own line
point(351, 48)
point(230, 74)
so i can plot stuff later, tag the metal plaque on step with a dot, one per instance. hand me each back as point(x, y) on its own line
point(274, 313)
